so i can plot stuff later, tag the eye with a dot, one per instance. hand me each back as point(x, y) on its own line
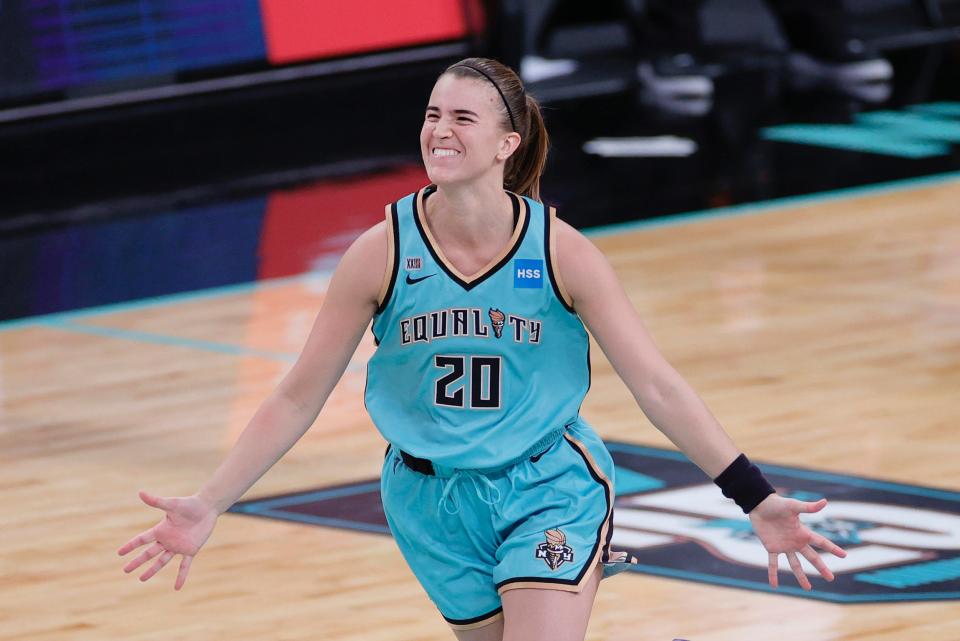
point(432, 116)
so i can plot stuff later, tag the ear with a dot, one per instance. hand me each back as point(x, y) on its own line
point(508, 144)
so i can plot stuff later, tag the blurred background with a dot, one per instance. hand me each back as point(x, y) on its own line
point(153, 147)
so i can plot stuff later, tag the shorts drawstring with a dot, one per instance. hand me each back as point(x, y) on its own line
point(491, 490)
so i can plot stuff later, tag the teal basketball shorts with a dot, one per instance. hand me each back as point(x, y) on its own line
point(471, 535)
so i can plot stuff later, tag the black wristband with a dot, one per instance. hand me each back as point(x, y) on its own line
point(743, 482)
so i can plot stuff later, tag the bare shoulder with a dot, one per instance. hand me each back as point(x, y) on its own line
point(373, 239)
point(373, 242)
point(363, 266)
point(570, 238)
point(580, 262)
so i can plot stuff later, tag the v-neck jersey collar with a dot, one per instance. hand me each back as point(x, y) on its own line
point(521, 216)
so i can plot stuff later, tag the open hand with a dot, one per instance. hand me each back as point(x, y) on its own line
point(776, 521)
point(184, 529)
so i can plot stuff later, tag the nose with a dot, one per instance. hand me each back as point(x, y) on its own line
point(441, 129)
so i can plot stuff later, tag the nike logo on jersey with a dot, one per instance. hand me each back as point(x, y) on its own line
point(411, 281)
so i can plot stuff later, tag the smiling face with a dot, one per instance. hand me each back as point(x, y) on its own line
point(463, 136)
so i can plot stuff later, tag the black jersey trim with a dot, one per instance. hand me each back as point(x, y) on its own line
point(473, 620)
point(589, 375)
point(396, 263)
point(609, 493)
point(520, 209)
point(366, 380)
point(548, 256)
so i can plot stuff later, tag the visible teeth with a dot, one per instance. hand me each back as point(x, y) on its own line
point(445, 152)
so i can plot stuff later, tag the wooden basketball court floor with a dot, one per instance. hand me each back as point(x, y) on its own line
point(823, 333)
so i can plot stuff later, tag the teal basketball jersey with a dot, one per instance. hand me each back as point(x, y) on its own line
point(473, 371)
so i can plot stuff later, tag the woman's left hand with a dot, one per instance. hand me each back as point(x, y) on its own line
point(776, 521)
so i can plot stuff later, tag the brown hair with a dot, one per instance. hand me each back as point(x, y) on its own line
point(525, 166)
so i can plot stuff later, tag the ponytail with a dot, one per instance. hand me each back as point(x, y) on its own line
point(526, 165)
point(522, 172)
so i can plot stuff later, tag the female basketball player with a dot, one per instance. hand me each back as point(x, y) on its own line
point(498, 493)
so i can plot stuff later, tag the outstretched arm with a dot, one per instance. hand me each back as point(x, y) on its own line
point(675, 408)
point(663, 395)
point(291, 409)
point(281, 419)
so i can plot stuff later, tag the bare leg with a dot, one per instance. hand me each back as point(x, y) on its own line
point(532, 614)
point(492, 632)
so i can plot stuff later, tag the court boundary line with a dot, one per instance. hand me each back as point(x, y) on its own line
point(167, 340)
point(157, 301)
point(697, 216)
point(774, 205)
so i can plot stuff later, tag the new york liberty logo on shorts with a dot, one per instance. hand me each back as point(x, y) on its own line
point(555, 550)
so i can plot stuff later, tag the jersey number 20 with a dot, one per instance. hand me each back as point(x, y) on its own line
point(483, 381)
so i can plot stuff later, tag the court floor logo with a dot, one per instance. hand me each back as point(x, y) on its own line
point(902, 541)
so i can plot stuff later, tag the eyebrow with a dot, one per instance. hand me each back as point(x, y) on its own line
point(456, 111)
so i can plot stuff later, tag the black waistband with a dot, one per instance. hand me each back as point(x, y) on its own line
point(422, 465)
point(534, 452)
point(425, 466)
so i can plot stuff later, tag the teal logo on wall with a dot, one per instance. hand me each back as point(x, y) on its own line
point(902, 541)
point(919, 131)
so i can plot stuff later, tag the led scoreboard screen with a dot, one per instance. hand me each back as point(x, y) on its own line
point(57, 49)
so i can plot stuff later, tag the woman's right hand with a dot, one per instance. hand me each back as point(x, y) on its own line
point(184, 529)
